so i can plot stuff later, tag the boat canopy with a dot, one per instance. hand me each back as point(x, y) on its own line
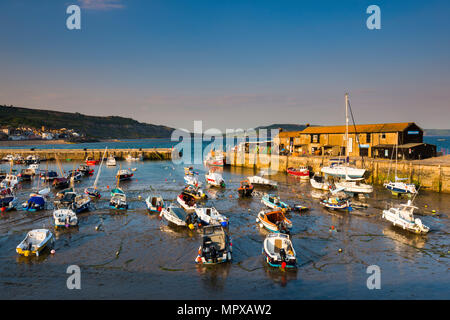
point(37, 200)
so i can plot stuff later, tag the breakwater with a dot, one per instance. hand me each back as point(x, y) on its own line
point(430, 176)
point(96, 154)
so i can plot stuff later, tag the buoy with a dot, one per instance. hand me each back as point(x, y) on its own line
point(231, 196)
point(3, 209)
point(426, 206)
point(340, 250)
point(283, 265)
point(117, 253)
point(107, 187)
point(191, 226)
point(332, 227)
point(433, 211)
point(53, 251)
point(139, 197)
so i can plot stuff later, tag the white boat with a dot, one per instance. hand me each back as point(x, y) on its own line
point(34, 168)
point(403, 217)
point(274, 221)
point(177, 216)
point(129, 157)
point(319, 182)
point(124, 174)
point(92, 191)
point(398, 186)
point(216, 246)
point(213, 159)
point(118, 201)
point(35, 242)
point(8, 200)
point(272, 201)
point(259, 181)
point(354, 186)
point(81, 203)
point(279, 251)
point(8, 158)
point(336, 203)
point(187, 202)
point(111, 161)
point(65, 218)
point(210, 216)
point(154, 203)
point(192, 181)
point(10, 181)
point(215, 179)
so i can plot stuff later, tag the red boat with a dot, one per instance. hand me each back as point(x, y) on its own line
point(302, 172)
point(91, 162)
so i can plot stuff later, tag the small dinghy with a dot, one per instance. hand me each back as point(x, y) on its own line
point(210, 216)
point(336, 203)
point(117, 190)
point(35, 242)
point(123, 175)
point(301, 172)
point(177, 216)
point(216, 246)
point(81, 203)
point(274, 221)
point(403, 217)
point(274, 202)
point(35, 203)
point(279, 251)
point(154, 204)
point(118, 201)
point(215, 179)
point(192, 181)
point(245, 189)
point(300, 208)
point(195, 192)
point(65, 218)
point(258, 181)
point(187, 202)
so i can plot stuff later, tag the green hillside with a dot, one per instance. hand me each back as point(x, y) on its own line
point(96, 127)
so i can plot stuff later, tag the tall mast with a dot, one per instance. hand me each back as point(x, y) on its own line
point(346, 124)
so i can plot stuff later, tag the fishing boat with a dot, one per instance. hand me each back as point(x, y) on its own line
point(195, 192)
point(215, 179)
point(85, 170)
point(26, 174)
point(49, 175)
point(192, 181)
point(398, 186)
point(10, 181)
point(81, 203)
point(209, 216)
point(35, 242)
point(111, 161)
point(33, 168)
point(245, 189)
point(8, 200)
point(75, 175)
point(118, 201)
point(187, 202)
point(301, 172)
point(336, 203)
point(274, 202)
point(274, 221)
point(123, 175)
point(65, 218)
point(319, 182)
point(90, 161)
point(403, 217)
point(154, 203)
point(129, 157)
point(354, 186)
point(35, 203)
point(177, 216)
point(92, 191)
point(259, 181)
point(279, 251)
point(66, 201)
point(32, 159)
point(216, 246)
point(213, 159)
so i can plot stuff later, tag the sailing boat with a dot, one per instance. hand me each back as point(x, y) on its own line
point(118, 197)
point(397, 186)
point(344, 170)
point(92, 191)
point(60, 183)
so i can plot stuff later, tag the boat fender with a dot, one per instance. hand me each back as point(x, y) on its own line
point(191, 226)
point(53, 251)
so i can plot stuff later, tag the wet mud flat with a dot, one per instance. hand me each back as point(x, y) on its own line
point(135, 255)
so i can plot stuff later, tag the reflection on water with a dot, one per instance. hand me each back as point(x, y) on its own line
point(134, 254)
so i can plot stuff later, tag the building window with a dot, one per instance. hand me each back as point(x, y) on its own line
point(315, 138)
point(367, 137)
point(383, 136)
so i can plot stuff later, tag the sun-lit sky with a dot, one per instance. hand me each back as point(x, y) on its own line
point(230, 63)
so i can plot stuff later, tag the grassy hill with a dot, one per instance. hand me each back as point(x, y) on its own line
point(96, 127)
point(285, 127)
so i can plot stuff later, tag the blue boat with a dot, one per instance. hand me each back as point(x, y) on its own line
point(273, 201)
point(35, 203)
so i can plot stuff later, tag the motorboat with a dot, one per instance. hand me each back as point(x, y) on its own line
point(35, 242)
point(75, 175)
point(35, 203)
point(245, 189)
point(33, 168)
point(403, 217)
point(91, 162)
point(259, 181)
point(66, 201)
point(49, 175)
point(32, 159)
point(10, 181)
point(124, 174)
point(81, 203)
point(8, 200)
point(195, 192)
point(117, 190)
point(177, 216)
point(400, 187)
point(215, 179)
point(336, 203)
point(319, 182)
point(111, 161)
point(187, 202)
point(216, 246)
point(92, 192)
point(274, 202)
point(302, 172)
point(209, 216)
point(26, 174)
point(299, 208)
point(85, 170)
point(279, 251)
point(65, 218)
point(192, 181)
point(118, 201)
point(213, 159)
point(343, 171)
point(129, 157)
point(154, 203)
point(61, 183)
point(354, 186)
point(274, 221)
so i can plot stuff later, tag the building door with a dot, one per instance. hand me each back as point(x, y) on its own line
point(364, 152)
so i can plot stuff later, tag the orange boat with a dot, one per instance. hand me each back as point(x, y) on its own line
point(245, 189)
point(274, 221)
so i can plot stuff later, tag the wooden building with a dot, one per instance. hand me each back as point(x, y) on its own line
point(369, 140)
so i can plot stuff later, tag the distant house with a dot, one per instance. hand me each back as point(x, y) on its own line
point(369, 140)
point(47, 136)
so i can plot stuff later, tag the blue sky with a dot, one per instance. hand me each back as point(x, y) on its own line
point(229, 63)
